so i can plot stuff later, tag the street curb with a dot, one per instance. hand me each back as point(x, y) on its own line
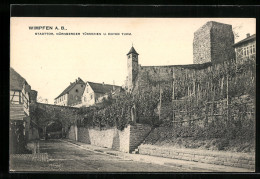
point(144, 158)
point(93, 150)
point(132, 158)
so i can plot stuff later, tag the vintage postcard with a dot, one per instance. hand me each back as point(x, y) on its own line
point(132, 94)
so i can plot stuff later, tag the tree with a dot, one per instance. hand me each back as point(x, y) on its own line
point(236, 30)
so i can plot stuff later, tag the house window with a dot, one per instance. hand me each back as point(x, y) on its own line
point(247, 51)
point(253, 49)
point(91, 96)
point(85, 98)
point(76, 90)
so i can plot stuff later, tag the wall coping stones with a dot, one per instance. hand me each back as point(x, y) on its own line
point(221, 154)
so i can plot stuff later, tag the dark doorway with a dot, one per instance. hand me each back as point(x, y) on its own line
point(54, 130)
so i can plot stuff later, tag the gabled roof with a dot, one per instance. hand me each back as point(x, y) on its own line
point(78, 81)
point(16, 80)
point(252, 37)
point(102, 88)
point(132, 50)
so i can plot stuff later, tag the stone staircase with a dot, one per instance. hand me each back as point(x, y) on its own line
point(17, 112)
point(134, 147)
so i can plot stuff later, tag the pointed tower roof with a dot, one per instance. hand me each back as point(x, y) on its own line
point(132, 50)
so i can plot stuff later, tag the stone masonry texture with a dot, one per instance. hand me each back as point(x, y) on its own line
point(149, 76)
point(137, 135)
point(241, 160)
point(126, 140)
point(213, 43)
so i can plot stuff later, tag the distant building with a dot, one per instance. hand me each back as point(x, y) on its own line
point(213, 43)
point(96, 92)
point(71, 96)
point(246, 47)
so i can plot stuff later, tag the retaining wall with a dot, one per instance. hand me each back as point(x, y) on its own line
point(83, 135)
point(125, 141)
point(240, 160)
point(110, 138)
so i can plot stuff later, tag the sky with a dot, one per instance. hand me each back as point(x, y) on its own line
point(50, 62)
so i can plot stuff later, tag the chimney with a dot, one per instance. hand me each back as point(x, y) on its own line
point(248, 35)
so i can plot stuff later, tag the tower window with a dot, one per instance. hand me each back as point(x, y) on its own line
point(128, 56)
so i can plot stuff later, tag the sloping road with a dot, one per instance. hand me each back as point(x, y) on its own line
point(66, 157)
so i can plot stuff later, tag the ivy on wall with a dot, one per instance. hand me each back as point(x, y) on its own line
point(192, 88)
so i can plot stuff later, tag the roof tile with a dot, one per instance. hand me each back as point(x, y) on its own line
point(16, 80)
point(79, 81)
point(102, 88)
point(132, 50)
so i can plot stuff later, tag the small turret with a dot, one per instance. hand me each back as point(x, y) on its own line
point(132, 68)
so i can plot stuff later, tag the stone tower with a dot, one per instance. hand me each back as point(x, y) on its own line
point(132, 68)
point(213, 43)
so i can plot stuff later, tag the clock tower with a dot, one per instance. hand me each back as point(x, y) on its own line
point(132, 68)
